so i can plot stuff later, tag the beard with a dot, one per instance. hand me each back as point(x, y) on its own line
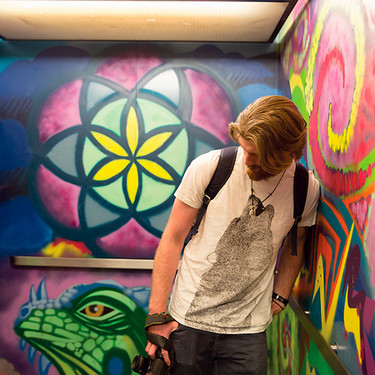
point(256, 173)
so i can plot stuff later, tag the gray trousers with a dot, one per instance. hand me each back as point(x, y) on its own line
point(204, 353)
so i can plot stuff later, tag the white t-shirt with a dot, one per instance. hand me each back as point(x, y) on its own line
point(225, 280)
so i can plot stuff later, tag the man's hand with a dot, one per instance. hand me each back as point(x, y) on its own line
point(162, 330)
point(276, 308)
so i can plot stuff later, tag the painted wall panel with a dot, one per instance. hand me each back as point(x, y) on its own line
point(328, 56)
point(291, 350)
point(64, 321)
point(95, 137)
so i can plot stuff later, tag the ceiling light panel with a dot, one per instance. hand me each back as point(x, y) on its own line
point(223, 21)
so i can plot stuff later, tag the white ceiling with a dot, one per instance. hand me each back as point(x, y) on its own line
point(204, 21)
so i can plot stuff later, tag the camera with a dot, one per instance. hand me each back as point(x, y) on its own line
point(146, 365)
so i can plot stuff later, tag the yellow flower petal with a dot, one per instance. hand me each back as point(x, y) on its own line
point(132, 131)
point(109, 144)
point(132, 182)
point(111, 169)
point(153, 143)
point(156, 169)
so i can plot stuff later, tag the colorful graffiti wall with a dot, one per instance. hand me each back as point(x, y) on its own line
point(94, 140)
point(61, 321)
point(329, 57)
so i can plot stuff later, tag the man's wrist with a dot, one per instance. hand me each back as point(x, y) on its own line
point(158, 313)
point(157, 309)
point(278, 304)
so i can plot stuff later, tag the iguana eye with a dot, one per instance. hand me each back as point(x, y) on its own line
point(96, 310)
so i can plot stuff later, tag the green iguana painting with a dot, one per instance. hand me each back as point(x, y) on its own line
point(90, 329)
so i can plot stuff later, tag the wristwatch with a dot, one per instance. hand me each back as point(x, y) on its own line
point(277, 297)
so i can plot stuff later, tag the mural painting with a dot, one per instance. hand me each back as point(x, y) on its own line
point(95, 138)
point(94, 328)
point(64, 321)
point(291, 350)
point(109, 137)
point(328, 56)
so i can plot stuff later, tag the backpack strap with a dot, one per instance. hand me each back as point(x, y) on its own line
point(300, 185)
point(220, 177)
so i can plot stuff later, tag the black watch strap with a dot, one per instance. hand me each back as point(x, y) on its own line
point(277, 297)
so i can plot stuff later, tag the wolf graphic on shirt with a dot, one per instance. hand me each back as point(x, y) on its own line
point(242, 256)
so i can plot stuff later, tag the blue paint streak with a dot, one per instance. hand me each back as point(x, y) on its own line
point(14, 151)
point(22, 231)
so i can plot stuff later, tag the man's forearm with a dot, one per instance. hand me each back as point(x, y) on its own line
point(168, 254)
point(287, 273)
point(290, 265)
point(165, 267)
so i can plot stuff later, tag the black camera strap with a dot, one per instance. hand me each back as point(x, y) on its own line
point(155, 339)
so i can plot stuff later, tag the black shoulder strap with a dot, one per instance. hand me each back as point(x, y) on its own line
point(223, 171)
point(301, 182)
point(220, 177)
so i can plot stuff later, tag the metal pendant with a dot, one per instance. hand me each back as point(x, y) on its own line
point(253, 209)
point(256, 208)
point(254, 205)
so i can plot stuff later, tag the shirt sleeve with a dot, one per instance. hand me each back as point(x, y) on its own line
point(311, 204)
point(196, 178)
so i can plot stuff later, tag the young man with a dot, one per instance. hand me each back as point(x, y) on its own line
point(225, 294)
